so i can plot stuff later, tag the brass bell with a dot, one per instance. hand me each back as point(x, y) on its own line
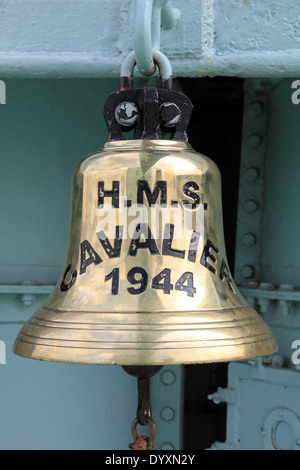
point(146, 279)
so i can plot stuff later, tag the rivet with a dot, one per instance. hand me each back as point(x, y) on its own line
point(254, 140)
point(249, 239)
point(168, 377)
point(167, 413)
point(252, 174)
point(250, 206)
point(247, 271)
point(256, 107)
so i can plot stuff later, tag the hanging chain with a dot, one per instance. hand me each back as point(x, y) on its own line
point(143, 442)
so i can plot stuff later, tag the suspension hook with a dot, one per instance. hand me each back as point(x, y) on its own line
point(150, 15)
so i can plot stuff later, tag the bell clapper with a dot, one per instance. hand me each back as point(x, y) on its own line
point(143, 412)
point(143, 417)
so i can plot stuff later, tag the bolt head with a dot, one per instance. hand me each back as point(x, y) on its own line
point(256, 107)
point(168, 377)
point(247, 271)
point(167, 413)
point(126, 114)
point(252, 174)
point(169, 114)
point(249, 239)
point(254, 140)
point(250, 206)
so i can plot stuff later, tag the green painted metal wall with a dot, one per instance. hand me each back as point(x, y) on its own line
point(86, 38)
point(263, 410)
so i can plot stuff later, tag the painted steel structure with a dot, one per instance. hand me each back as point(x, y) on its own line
point(81, 39)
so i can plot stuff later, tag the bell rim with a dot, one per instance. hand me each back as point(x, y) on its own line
point(145, 347)
point(245, 353)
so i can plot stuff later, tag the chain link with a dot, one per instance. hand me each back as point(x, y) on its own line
point(143, 442)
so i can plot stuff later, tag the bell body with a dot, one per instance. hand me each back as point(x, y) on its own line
point(146, 279)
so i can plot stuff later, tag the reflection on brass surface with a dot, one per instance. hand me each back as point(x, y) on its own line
point(146, 279)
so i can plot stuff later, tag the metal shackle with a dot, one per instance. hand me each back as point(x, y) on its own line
point(161, 61)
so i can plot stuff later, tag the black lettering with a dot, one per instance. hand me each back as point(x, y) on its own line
point(94, 258)
point(114, 275)
point(112, 252)
point(142, 230)
point(162, 281)
point(187, 192)
point(167, 249)
point(206, 254)
point(193, 246)
point(225, 274)
point(63, 286)
point(186, 283)
point(143, 280)
point(114, 194)
point(143, 187)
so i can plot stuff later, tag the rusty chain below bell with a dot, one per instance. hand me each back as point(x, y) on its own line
point(143, 442)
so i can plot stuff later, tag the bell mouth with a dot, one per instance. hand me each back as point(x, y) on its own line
point(143, 339)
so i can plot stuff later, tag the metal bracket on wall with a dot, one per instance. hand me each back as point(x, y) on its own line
point(270, 424)
point(27, 291)
point(251, 186)
point(262, 295)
